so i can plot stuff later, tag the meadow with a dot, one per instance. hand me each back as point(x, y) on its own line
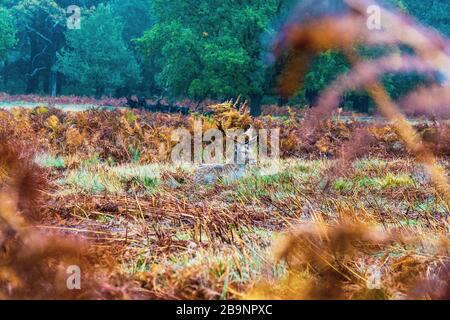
point(97, 187)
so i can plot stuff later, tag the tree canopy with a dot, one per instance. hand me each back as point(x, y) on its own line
point(202, 49)
point(8, 34)
point(96, 59)
point(211, 49)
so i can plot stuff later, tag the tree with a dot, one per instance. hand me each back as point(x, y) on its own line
point(136, 18)
point(41, 27)
point(327, 66)
point(211, 48)
point(97, 59)
point(432, 13)
point(8, 34)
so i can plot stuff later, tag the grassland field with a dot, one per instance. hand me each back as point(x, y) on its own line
point(174, 238)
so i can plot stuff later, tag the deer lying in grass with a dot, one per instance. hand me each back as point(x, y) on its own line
point(244, 157)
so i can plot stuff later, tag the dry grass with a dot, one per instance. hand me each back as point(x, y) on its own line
point(163, 236)
point(97, 189)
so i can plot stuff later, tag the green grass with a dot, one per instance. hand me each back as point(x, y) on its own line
point(257, 186)
point(222, 266)
point(49, 161)
point(391, 181)
point(368, 164)
point(386, 182)
point(343, 185)
point(100, 178)
point(85, 181)
point(127, 172)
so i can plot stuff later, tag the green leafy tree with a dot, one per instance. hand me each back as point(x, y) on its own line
point(432, 13)
point(8, 33)
point(136, 18)
point(327, 66)
point(211, 48)
point(40, 32)
point(97, 59)
point(41, 27)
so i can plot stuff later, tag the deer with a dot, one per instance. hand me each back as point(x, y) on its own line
point(244, 157)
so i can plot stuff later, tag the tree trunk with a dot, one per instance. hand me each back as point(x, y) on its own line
point(32, 84)
point(282, 102)
point(311, 96)
point(255, 105)
point(53, 83)
point(363, 103)
point(99, 92)
point(5, 75)
point(53, 77)
point(33, 73)
point(59, 83)
point(46, 82)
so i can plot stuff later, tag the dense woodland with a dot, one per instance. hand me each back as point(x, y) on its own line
point(181, 49)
